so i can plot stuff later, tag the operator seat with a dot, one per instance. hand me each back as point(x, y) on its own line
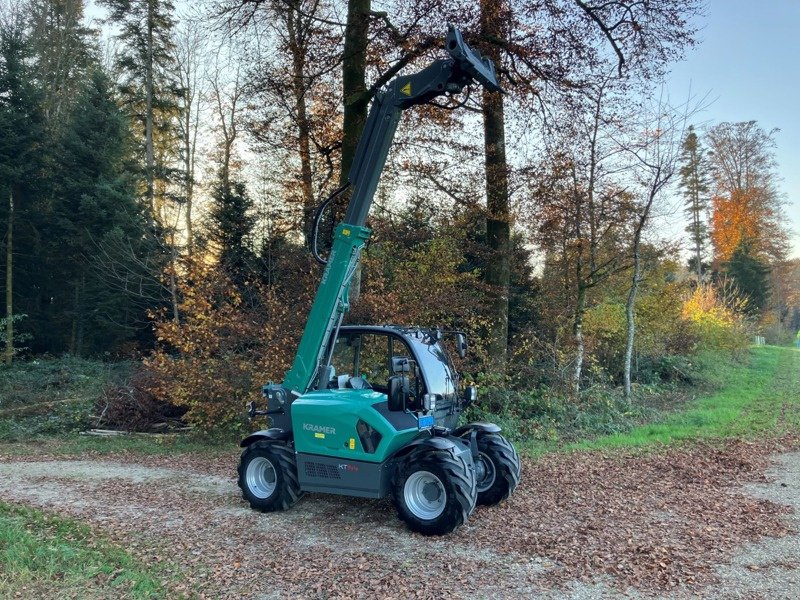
point(358, 383)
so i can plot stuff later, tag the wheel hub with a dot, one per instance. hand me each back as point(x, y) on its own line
point(261, 477)
point(424, 495)
point(484, 473)
point(431, 492)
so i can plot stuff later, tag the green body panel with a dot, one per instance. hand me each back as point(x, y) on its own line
point(330, 303)
point(325, 423)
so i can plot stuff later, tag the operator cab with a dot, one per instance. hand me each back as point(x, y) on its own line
point(409, 365)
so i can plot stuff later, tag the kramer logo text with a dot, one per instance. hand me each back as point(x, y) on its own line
point(319, 428)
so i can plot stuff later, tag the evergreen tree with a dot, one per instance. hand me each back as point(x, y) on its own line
point(230, 229)
point(97, 200)
point(694, 181)
point(149, 90)
point(63, 49)
point(751, 275)
point(21, 138)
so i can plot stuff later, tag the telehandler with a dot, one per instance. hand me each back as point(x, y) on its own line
point(373, 411)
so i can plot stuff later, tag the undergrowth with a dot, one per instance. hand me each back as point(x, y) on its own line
point(54, 396)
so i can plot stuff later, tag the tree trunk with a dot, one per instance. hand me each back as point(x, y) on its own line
point(354, 64)
point(173, 281)
point(73, 338)
point(580, 296)
point(498, 268)
point(356, 102)
point(79, 333)
point(188, 221)
point(298, 50)
point(629, 315)
point(696, 211)
point(227, 149)
point(148, 129)
point(577, 329)
point(9, 355)
point(189, 150)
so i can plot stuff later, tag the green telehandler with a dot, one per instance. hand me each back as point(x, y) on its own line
point(373, 411)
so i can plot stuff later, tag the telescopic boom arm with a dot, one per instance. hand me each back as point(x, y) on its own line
point(444, 76)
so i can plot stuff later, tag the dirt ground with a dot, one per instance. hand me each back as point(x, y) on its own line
point(713, 522)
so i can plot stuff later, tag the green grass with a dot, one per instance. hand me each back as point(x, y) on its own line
point(760, 398)
point(42, 555)
point(167, 444)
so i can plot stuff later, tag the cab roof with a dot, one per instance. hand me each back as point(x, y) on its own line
point(408, 331)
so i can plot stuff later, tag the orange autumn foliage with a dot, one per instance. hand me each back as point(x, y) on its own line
point(734, 218)
point(224, 349)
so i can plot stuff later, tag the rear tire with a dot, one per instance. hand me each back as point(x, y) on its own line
point(502, 468)
point(434, 491)
point(268, 476)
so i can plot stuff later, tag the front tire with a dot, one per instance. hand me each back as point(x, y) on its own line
point(434, 491)
point(268, 476)
point(500, 471)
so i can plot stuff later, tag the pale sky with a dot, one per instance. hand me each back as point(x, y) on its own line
point(747, 62)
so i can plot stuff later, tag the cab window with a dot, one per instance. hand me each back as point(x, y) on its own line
point(368, 356)
point(343, 359)
point(401, 350)
point(373, 359)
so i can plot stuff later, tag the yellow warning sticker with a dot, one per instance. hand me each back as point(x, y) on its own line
point(345, 232)
point(352, 443)
point(319, 435)
point(406, 89)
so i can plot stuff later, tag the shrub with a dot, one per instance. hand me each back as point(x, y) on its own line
point(546, 415)
point(715, 316)
point(666, 369)
point(223, 350)
point(52, 396)
point(662, 336)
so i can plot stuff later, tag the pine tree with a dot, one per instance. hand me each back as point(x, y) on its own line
point(96, 198)
point(63, 49)
point(751, 275)
point(694, 181)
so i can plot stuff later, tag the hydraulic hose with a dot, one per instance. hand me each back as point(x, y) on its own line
point(318, 217)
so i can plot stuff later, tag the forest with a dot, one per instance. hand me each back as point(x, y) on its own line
point(601, 243)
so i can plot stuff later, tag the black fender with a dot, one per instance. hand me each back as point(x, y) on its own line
point(274, 434)
point(434, 442)
point(465, 430)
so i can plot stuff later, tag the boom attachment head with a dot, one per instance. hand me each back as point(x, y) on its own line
point(470, 62)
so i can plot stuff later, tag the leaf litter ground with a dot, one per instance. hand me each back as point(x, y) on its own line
point(581, 524)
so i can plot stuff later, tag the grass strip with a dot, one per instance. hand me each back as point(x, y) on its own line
point(759, 398)
point(43, 555)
